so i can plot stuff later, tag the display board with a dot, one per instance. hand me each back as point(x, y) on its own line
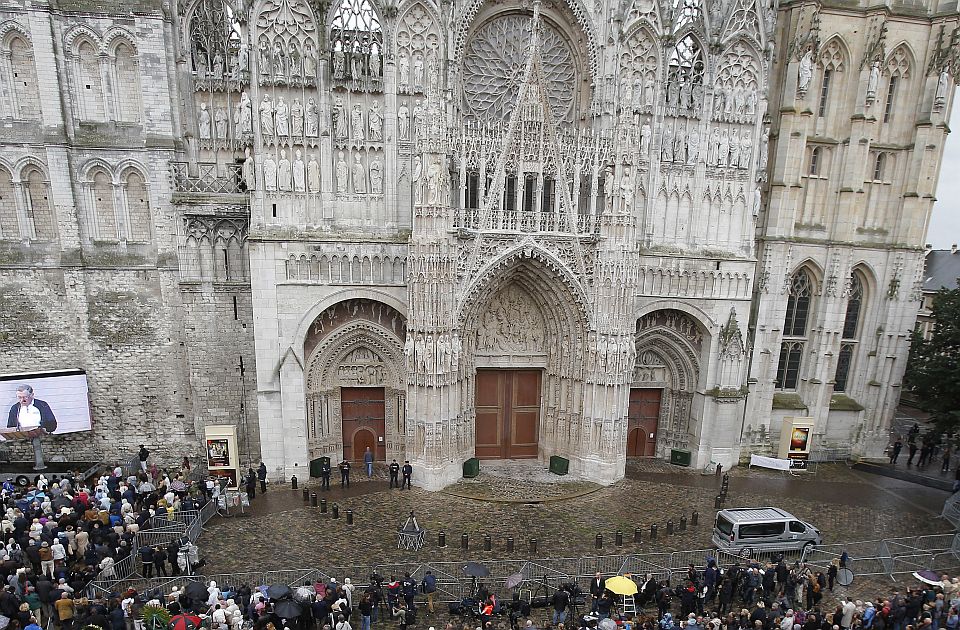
point(57, 402)
point(220, 445)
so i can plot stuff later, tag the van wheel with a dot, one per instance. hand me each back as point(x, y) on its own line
point(746, 552)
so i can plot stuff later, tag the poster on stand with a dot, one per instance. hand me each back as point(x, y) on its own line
point(220, 442)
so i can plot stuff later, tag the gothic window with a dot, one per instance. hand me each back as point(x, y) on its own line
point(788, 371)
point(878, 167)
point(9, 223)
point(844, 361)
point(355, 34)
point(215, 41)
point(22, 81)
point(685, 85)
point(138, 207)
point(127, 81)
point(795, 327)
point(824, 93)
point(547, 195)
point(798, 304)
point(815, 157)
point(832, 56)
point(473, 190)
point(90, 82)
point(638, 70)
point(687, 12)
point(494, 60)
point(851, 320)
point(38, 205)
point(418, 48)
point(104, 207)
point(888, 106)
point(286, 43)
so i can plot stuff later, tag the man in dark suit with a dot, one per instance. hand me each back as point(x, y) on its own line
point(597, 586)
point(30, 413)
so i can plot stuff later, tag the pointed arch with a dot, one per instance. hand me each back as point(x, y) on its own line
point(104, 209)
point(686, 68)
point(79, 33)
point(744, 22)
point(85, 169)
point(136, 196)
point(834, 54)
point(117, 36)
point(38, 203)
point(355, 31)
point(639, 66)
point(900, 61)
point(418, 42)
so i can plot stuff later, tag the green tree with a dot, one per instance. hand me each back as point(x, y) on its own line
point(933, 369)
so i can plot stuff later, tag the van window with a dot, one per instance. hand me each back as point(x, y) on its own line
point(797, 527)
point(761, 530)
point(725, 526)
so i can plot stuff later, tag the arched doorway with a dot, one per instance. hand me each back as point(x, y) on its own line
point(355, 387)
point(643, 416)
point(637, 442)
point(363, 439)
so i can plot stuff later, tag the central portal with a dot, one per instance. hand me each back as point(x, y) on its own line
point(508, 413)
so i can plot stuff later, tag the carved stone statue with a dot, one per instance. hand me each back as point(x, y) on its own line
point(403, 120)
point(264, 61)
point(693, 146)
point(217, 66)
point(269, 174)
point(418, 71)
point(626, 192)
point(299, 173)
point(313, 174)
point(734, 149)
point(356, 66)
point(283, 172)
point(296, 119)
point(645, 140)
point(434, 182)
point(339, 119)
point(713, 154)
point(356, 122)
point(310, 62)
point(679, 145)
point(746, 149)
point(649, 92)
point(433, 69)
point(756, 201)
point(719, 102)
point(312, 122)
point(243, 59)
point(249, 179)
point(374, 63)
point(418, 122)
point(283, 118)
point(873, 81)
point(203, 122)
point(723, 149)
point(739, 103)
point(220, 119)
point(342, 173)
point(243, 116)
point(764, 147)
point(359, 175)
point(375, 118)
point(339, 64)
point(751, 104)
point(403, 72)
point(667, 145)
point(805, 71)
point(943, 87)
point(417, 180)
point(376, 176)
point(266, 116)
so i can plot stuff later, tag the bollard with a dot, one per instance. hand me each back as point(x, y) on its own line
point(618, 539)
point(718, 502)
point(336, 511)
point(637, 535)
point(306, 494)
point(323, 506)
point(653, 532)
point(442, 539)
point(694, 518)
point(464, 541)
point(599, 542)
point(313, 499)
point(683, 523)
point(669, 528)
point(533, 545)
point(293, 482)
point(487, 543)
point(509, 544)
point(349, 517)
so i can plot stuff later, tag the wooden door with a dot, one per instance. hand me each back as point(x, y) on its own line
point(508, 413)
point(363, 408)
point(643, 416)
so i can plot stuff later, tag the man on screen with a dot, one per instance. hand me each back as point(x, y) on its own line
point(29, 414)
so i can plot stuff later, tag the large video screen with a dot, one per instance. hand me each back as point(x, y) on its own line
point(56, 402)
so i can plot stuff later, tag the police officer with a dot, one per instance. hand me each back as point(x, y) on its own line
point(407, 471)
point(325, 474)
point(394, 474)
point(344, 473)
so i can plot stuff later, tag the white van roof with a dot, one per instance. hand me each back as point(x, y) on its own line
point(740, 515)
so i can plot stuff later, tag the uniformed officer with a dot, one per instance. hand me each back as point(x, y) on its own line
point(344, 473)
point(325, 474)
point(394, 474)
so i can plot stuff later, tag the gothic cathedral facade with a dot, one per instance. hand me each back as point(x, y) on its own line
point(472, 228)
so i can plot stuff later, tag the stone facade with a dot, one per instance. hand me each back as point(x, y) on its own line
point(322, 221)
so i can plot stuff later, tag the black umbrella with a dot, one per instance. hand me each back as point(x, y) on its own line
point(287, 609)
point(475, 569)
point(280, 591)
point(196, 590)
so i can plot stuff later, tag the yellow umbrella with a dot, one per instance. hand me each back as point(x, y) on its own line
point(621, 585)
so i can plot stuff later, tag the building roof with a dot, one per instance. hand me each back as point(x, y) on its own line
point(942, 268)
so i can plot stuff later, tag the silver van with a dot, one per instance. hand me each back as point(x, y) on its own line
point(749, 530)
